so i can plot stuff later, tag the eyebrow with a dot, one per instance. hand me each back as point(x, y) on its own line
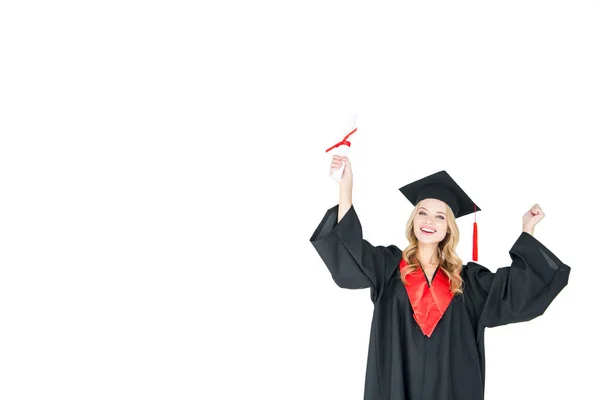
point(428, 210)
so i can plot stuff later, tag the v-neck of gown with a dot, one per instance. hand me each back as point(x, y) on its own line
point(429, 300)
point(432, 276)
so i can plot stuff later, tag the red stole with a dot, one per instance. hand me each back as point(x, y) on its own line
point(428, 302)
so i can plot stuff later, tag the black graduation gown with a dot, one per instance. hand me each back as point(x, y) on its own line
point(405, 364)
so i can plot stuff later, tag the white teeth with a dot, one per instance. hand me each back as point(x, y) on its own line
point(427, 230)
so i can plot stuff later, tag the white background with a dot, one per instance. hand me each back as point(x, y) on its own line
point(163, 165)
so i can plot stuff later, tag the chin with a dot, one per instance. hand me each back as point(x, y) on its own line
point(428, 239)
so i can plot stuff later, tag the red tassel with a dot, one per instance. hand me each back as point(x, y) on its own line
point(475, 241)
point(475, 249)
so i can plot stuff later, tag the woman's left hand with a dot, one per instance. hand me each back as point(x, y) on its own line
point(531, 218)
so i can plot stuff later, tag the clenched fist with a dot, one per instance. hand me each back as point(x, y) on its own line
point(336, 163)
point(532, 217)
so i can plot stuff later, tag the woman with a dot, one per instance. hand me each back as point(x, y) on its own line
point(430, 311)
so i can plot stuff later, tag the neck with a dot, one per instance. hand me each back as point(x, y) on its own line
point(427, 253)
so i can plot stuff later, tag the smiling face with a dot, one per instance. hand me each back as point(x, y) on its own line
point(430, 223)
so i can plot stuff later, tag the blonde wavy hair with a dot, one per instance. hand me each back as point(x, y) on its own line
point(450, 263)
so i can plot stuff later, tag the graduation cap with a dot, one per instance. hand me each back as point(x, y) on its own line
point(442, 187)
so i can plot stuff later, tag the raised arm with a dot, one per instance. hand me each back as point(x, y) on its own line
point(353, 262)
point(345, 184)
point(525, 289)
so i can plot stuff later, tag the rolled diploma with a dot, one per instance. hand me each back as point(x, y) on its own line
point(343, 149)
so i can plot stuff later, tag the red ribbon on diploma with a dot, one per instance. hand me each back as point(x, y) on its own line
point(344, 141)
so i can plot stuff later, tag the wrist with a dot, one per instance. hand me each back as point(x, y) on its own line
point(528, 229)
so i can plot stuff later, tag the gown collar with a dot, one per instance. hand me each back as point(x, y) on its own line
point(429, 301)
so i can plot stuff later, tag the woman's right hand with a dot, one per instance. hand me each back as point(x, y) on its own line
point(336, 163)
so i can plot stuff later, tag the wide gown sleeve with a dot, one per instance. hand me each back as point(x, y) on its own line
point(353, 262)
point(520, 292)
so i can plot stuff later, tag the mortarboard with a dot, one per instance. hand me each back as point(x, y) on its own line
point(442, 187)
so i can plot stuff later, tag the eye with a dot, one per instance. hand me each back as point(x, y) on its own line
point(421, 212)
point(441, 217)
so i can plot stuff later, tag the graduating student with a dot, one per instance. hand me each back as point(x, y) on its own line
point(430, 310)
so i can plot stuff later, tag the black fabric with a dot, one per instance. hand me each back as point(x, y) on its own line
point(404, 364)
